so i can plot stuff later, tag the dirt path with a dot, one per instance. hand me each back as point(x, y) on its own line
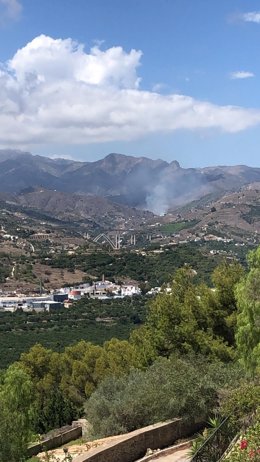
point(79, 449)
point(179, 456)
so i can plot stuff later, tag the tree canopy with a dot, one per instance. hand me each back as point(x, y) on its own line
point(248, 321)
point(16, 414)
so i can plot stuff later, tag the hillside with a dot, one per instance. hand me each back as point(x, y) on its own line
point(91, 211)
point(234, 215)
point(141, 182)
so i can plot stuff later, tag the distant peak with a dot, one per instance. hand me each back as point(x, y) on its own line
point(175, 164)
point(134, 159)
point(116, 156)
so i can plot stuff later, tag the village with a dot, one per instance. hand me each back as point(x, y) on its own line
point(66, 296)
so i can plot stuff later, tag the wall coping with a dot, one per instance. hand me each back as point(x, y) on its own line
point(177, 428)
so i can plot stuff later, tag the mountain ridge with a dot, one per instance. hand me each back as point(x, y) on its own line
point(156, 185)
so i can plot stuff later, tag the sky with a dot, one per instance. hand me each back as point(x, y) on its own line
point(169, 79)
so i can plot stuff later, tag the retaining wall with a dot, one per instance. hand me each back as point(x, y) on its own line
point(55, 441)
point(134, 445)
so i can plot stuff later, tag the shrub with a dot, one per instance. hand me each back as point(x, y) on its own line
point(175, 387)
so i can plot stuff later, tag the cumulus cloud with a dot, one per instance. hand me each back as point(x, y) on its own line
point(241, 75)
point(53, 91)
point(252, 16)
point(9, 10)
point(52, 61)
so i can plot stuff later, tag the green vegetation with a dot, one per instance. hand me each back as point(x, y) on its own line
point(247, 450)
point(177, 226)
point(24, 272)
point(152, 267)
point(16, 412)
point(63, 381)
point(248, 325)
point(5, 266)
point(91, 320)
point(178, 386)
point(243, 406)
point(192, 318)
point(253, 215)
point(182, 361)
point(235, 428)
point(242, 402)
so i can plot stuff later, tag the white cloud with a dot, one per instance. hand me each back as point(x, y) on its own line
point(52, 91)
point(252, 16)
point(9, 10)
point(52, 61)
point(158, 87)
point(241, 75)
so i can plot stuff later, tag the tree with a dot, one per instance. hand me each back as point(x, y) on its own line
point(225, 277)
point(117, 358)
point(182, 320)
point(141, 339)
point(248, 321)
point(79, 378)
point(16, 414)
point(52, 406)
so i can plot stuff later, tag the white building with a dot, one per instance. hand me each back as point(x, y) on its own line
point(130, 290)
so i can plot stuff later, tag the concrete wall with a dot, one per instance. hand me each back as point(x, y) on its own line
point(55, 441)
point(134, 445)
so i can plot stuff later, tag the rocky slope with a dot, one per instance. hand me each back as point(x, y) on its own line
point(82, 209)
point(233, 214)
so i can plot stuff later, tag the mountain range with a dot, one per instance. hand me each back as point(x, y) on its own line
point(155, 185)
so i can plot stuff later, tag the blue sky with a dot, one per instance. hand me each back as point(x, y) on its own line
point(175, 79)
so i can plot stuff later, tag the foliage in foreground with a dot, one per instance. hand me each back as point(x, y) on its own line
point(174, 387)
point(248, 323)
point(242, 406)
point(190, 320)
point(150, 377)
point(247, 449)
point(16, 398)
point(242, 402)
point(62, 381)
point(213, 424)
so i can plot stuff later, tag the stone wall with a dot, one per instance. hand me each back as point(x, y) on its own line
point(134, 445)
point(55, 441)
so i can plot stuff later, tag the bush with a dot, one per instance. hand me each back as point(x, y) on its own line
point(170, 388)
point(248, 447)
point(242, 403)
